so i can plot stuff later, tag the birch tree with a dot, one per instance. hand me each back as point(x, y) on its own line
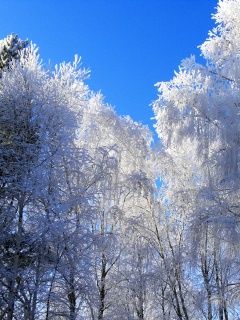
point(123, 147)
point(197, 121)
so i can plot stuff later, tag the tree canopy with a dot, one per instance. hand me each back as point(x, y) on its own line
point(99, 223)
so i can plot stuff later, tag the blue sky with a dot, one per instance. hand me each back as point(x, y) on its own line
point(128, 45)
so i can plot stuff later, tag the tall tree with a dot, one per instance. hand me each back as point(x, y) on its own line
point(197, 116)
point(38, 120)
point(121, 148)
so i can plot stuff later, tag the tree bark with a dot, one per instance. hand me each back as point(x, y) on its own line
point(102, 289)
point(12, 291)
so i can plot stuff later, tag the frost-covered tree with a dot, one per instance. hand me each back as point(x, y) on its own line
point(121, 148)
point(39, 116)
point(10, 49)
point(197, 116)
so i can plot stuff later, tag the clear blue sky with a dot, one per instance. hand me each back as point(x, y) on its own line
point(129, 45)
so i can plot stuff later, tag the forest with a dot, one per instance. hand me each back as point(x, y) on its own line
point(100, 222)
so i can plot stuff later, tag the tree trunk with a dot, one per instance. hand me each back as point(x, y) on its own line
point(34, 301)
point(102, 289)
point(12, 293)
point(72, 297)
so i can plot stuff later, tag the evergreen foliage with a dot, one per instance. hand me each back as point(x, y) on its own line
point(9, 49)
